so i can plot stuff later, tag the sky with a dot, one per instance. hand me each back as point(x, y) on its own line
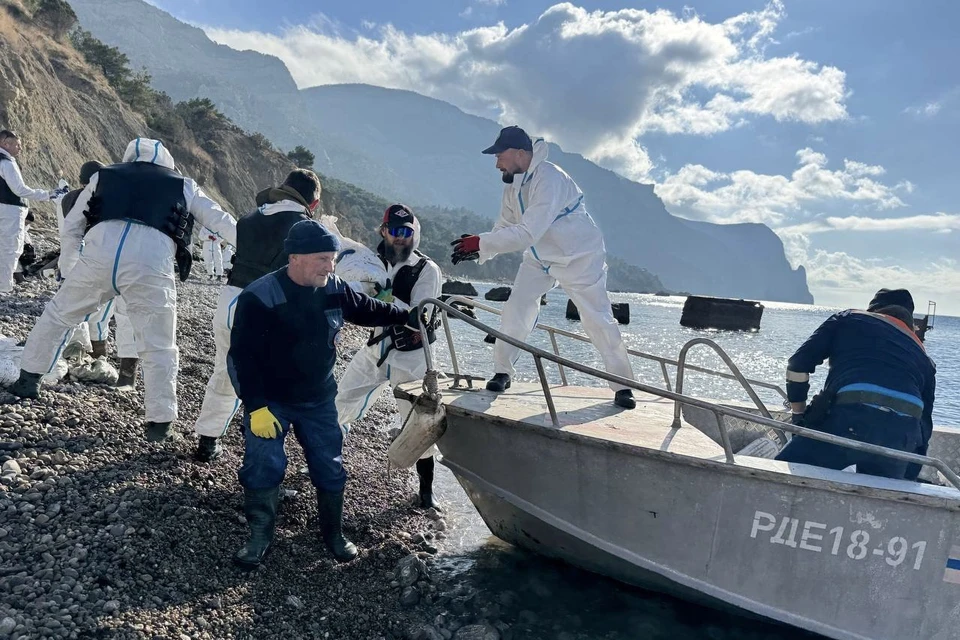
point(835, 123)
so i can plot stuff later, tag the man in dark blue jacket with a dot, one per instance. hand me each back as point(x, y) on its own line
point(880, 388)
point(281, 358)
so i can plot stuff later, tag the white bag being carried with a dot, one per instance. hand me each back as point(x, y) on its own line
point(356, 263)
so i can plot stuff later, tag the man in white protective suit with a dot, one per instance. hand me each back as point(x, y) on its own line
point(91, 336)
point(260, 250)
point(140, 213)
point(13, 207)
point(543, 214)
point(212, 253)
point(394, 355)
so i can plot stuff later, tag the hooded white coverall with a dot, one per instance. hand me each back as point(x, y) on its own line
point(212, 253)
point(227, 257)
point(542, 213)
point(135, 262)
point(97, 324)
point(13, 219)
point(220, 401)
point(363, 380)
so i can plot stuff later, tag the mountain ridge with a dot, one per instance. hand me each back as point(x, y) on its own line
point(404, 146)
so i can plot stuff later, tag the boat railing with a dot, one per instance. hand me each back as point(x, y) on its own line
point(662, 361)
point(719, 411)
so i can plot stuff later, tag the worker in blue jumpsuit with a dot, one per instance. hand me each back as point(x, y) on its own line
point(880, 388)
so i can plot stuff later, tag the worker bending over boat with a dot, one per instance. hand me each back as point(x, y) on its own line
point(880, 388)
point(542, 213)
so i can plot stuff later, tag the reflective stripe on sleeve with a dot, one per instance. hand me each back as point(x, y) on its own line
point(794, 376)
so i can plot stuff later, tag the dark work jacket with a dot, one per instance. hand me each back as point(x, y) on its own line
point(867, 349)
point(7, 196)
point(260, 245)
point(283, 341)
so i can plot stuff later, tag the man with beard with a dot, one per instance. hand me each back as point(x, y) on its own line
point(543, 214)
point(393, 355)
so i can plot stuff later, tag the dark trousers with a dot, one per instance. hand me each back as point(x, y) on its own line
point(315, 426)
point(866, 424)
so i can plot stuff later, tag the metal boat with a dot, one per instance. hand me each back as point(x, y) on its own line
point(657, 497)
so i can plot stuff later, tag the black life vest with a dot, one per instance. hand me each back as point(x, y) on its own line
point(260, 245)
point(6, 195)
point(402, 338)
point(141, 191)
point(69, 200)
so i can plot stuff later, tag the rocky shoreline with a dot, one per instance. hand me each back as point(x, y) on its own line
point(103, 535)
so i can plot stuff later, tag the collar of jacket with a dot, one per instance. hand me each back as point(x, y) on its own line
point(283, 192)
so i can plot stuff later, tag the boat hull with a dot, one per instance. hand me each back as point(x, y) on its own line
point(845, 555)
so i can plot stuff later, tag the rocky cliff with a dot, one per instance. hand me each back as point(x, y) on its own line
point(67, 113)
point(401, 145)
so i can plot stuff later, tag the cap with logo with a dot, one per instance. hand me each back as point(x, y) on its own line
point(398, 215)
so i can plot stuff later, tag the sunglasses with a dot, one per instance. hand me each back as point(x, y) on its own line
point(400, 232)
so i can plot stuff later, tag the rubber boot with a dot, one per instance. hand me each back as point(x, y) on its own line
point(260, 508)
point(27, 385)
point(425, 468)
point(159, 431)
point(207, 449)
point(99, 348)
point(330, 510)
point(499, 382)
point(624, 398)
point(128, 372)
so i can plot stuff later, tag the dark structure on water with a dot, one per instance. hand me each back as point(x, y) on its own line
point(703, 312)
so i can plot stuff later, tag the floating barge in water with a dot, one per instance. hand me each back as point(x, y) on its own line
point(705, 312)
point(659, 497)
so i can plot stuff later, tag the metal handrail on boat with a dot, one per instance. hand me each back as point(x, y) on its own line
point(555, 331)
point(718, 410)
point(734, 369)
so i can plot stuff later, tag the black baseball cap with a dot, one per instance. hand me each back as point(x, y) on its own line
point(398, 215)
point(510, 138)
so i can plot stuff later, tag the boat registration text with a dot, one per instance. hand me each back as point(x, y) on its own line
point(856, 544)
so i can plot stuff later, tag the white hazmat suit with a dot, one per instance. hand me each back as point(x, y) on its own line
point(13, 219)
point(364, 380)
point(212, 253)
point(135, 262)
point(97, 324)
point(543, 214)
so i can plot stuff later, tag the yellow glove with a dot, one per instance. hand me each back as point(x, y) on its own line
point(264, 424)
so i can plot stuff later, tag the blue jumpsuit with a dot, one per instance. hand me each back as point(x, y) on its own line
point(883, 386)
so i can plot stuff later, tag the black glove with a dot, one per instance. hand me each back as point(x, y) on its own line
point(467, 247)
point(413, 319)
point(93, 210)
point(29, 255)
point(796, 419)
point(184, 261)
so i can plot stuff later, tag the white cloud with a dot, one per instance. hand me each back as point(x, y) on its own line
point(933, 107)
point(937, 222)
point(745, 196)
point(592, 81)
